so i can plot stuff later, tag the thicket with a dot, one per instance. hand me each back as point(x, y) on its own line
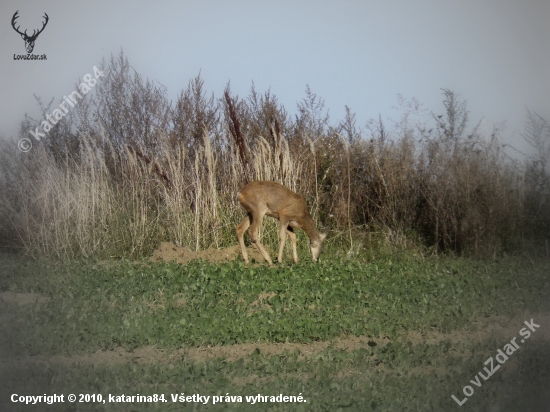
point(128, 168)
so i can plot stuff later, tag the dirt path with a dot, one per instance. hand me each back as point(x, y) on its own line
point(500, 328)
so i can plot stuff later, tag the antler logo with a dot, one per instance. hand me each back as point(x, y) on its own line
point(29, 40)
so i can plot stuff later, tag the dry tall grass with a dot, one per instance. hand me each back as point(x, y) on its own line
point(77, 209)
point(114, 193)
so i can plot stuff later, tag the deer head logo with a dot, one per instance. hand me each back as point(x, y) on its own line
point(29, 40)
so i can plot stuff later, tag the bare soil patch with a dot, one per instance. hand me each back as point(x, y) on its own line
point(304, 350)
point(22, 298)
point(152, 354)
point(261, 302)
point(169, 252)
point(498, 327)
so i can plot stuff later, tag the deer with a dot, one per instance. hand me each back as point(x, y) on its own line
point(29, 40)
point(260, 198)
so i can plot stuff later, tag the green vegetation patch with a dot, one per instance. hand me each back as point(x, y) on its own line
point(391, 377)
point(101, 306)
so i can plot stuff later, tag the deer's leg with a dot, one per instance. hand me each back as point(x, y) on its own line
point(254, 234)
point(292, 237)
point(282, 239)
point(240, 235)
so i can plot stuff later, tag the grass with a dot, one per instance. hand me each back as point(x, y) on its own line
point(103, 305)
point(320, 381)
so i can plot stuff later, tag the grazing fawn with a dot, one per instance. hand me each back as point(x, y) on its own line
point(261, 198)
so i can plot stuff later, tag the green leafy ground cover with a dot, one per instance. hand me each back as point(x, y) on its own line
point(94, 306)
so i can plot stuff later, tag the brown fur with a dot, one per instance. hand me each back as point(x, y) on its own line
point(262, 198)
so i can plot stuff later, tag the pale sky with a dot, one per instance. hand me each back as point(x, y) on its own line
point(494, 53)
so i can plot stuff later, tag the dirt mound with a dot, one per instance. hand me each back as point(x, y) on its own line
point(169, 252)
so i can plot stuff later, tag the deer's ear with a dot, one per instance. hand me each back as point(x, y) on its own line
point(323, 236)
point(23, 36)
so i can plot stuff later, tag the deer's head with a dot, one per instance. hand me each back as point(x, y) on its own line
point(29, 40)
point(316, 246)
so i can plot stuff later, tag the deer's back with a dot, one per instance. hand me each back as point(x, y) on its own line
point(273, 197)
